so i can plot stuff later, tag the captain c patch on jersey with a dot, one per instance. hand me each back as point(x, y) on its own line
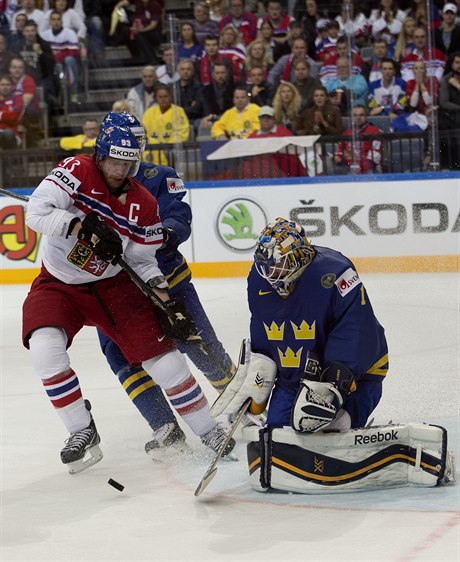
point(347, 281)
point(175, 185)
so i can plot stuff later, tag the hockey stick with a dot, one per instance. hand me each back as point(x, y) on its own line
point(212, 470)
point(147, 290)
point(13, 195)
point(144, 287)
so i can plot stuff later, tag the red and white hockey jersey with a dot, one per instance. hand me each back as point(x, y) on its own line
point(74, 188)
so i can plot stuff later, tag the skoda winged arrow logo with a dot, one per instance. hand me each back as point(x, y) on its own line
point(239, 223)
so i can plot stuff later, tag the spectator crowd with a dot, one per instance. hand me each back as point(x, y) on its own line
point(314, 68)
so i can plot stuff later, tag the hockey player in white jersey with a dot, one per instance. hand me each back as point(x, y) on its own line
point(92, 211)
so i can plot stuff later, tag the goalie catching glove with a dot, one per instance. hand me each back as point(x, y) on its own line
point(318, 401)
point(104, 240)
point(178, 324)
point(254, 378)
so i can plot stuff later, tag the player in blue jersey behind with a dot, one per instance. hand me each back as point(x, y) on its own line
point(168, 188)
point(315, 344)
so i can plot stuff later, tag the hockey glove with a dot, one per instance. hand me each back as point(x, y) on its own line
point(171, 242)
point(104, 240)
point(315, 406)
point(318, 402)
point(254, 378)
point(179, 325)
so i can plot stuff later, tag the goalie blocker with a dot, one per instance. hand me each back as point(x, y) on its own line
point(360, 459)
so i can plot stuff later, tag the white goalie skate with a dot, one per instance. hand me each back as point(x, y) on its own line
point(82, 448)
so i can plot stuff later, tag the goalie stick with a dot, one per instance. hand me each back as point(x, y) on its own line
point(212, 470)
point(147, 290)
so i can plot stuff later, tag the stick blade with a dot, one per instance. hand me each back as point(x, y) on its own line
point(205, 481)
point(212, 469)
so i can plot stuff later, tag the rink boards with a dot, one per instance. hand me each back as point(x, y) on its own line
point(389, 223)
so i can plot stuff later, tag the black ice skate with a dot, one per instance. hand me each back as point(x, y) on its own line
point(80, 444)
point(214, 439)
point(168, 436)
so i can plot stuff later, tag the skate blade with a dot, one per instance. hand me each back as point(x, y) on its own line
point(93, 456)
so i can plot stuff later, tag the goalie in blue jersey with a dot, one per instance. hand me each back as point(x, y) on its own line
point(317, 356)
point(316, 348)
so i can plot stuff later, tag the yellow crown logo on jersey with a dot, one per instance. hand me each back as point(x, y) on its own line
point(274, 332)
point(290, 358)
point(304, 331)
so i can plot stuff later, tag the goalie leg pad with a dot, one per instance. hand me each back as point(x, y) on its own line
point(362, 459)
point(258, 464)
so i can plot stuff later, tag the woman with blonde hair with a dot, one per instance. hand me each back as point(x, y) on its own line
point(286, 104)
point(119, 106)
point(421, 92)
point(217, 9)
point(229, 36)
point(257, 57)
point(405, 42)
point(232, 48)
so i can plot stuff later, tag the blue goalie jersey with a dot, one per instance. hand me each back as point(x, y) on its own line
point(328, 314)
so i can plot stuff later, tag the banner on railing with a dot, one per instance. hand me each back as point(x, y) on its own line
point(389, 225)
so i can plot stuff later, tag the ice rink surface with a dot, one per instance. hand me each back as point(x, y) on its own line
point(48, 515)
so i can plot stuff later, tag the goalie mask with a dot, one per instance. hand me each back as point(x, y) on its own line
point(118, 143)
point(282, 254)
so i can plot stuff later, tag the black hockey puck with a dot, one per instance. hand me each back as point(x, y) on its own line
point(116, 485)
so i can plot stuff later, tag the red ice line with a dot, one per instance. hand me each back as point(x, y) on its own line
point(428, 541)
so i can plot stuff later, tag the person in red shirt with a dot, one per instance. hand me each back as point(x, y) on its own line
point(245, 22)
point(279, 21)
point(24, 85)
point(11, 111)
point(210, 57)
point(367, 153)
point(275, 164)
point(231, 48)
point(435, 59)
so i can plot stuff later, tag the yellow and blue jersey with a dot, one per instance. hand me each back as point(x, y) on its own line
point(328, 314)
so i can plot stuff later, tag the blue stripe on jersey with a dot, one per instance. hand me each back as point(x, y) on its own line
point(105, 210)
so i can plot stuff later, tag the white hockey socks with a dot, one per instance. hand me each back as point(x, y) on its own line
point(171, 372)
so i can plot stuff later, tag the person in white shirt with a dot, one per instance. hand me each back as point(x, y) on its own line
point(167, 73)
point(30, 11)
point(70, 18)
